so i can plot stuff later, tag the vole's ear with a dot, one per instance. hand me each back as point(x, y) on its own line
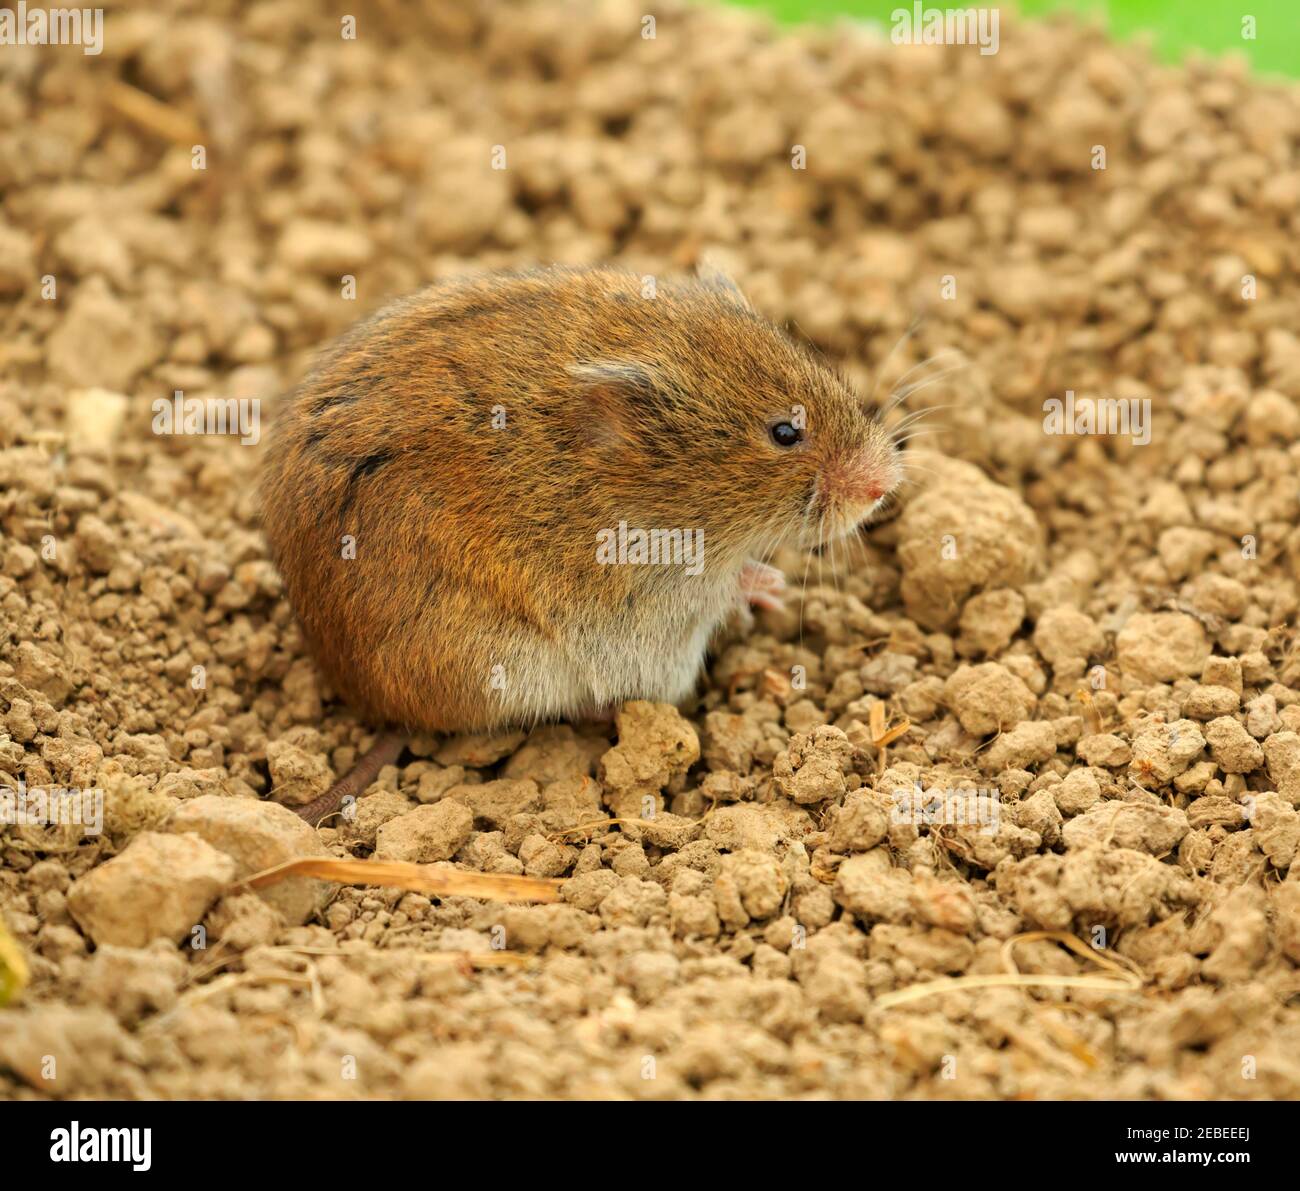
point(614, 395)
point(712, 276)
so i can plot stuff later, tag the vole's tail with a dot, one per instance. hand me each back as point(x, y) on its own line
point(386, 749)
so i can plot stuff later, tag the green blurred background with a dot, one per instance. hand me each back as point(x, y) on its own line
point(1214, 26)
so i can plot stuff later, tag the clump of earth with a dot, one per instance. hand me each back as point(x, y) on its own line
point(1073, 651)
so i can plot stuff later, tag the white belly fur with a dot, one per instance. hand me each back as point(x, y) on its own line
point(647, 657)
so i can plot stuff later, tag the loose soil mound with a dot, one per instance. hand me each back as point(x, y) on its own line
point(1089, 634)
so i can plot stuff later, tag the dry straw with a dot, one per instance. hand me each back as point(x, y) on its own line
point(1128, 976)
point(14, 972)
point(421, 878)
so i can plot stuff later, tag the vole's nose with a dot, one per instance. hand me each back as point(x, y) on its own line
point(859, 478)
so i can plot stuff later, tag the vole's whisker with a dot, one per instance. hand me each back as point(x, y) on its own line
point(913, 475)
point(916, 417)
point(889, 355)
point(910, 465)
point(945, 355)
point(911, 420)
point(835, 564)
point(927, 432)
point(901, 390)
point(917, 386)
point(908, 461)
point(807, 562)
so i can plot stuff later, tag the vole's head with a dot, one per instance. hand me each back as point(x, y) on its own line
point(714, 413)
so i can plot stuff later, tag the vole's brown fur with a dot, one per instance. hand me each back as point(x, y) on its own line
point(474, 439)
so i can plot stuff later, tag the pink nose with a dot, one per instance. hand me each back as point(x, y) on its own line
point(855, 480)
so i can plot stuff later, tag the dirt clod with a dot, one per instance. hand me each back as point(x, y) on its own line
point(1074, 645)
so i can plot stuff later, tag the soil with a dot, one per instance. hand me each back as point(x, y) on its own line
point(1079, 647)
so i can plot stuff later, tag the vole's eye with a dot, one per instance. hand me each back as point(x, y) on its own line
point(784, 434)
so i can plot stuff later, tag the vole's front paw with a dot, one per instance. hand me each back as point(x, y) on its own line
point(762, 586)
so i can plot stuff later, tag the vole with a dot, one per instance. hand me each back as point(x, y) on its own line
point(530, 496)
